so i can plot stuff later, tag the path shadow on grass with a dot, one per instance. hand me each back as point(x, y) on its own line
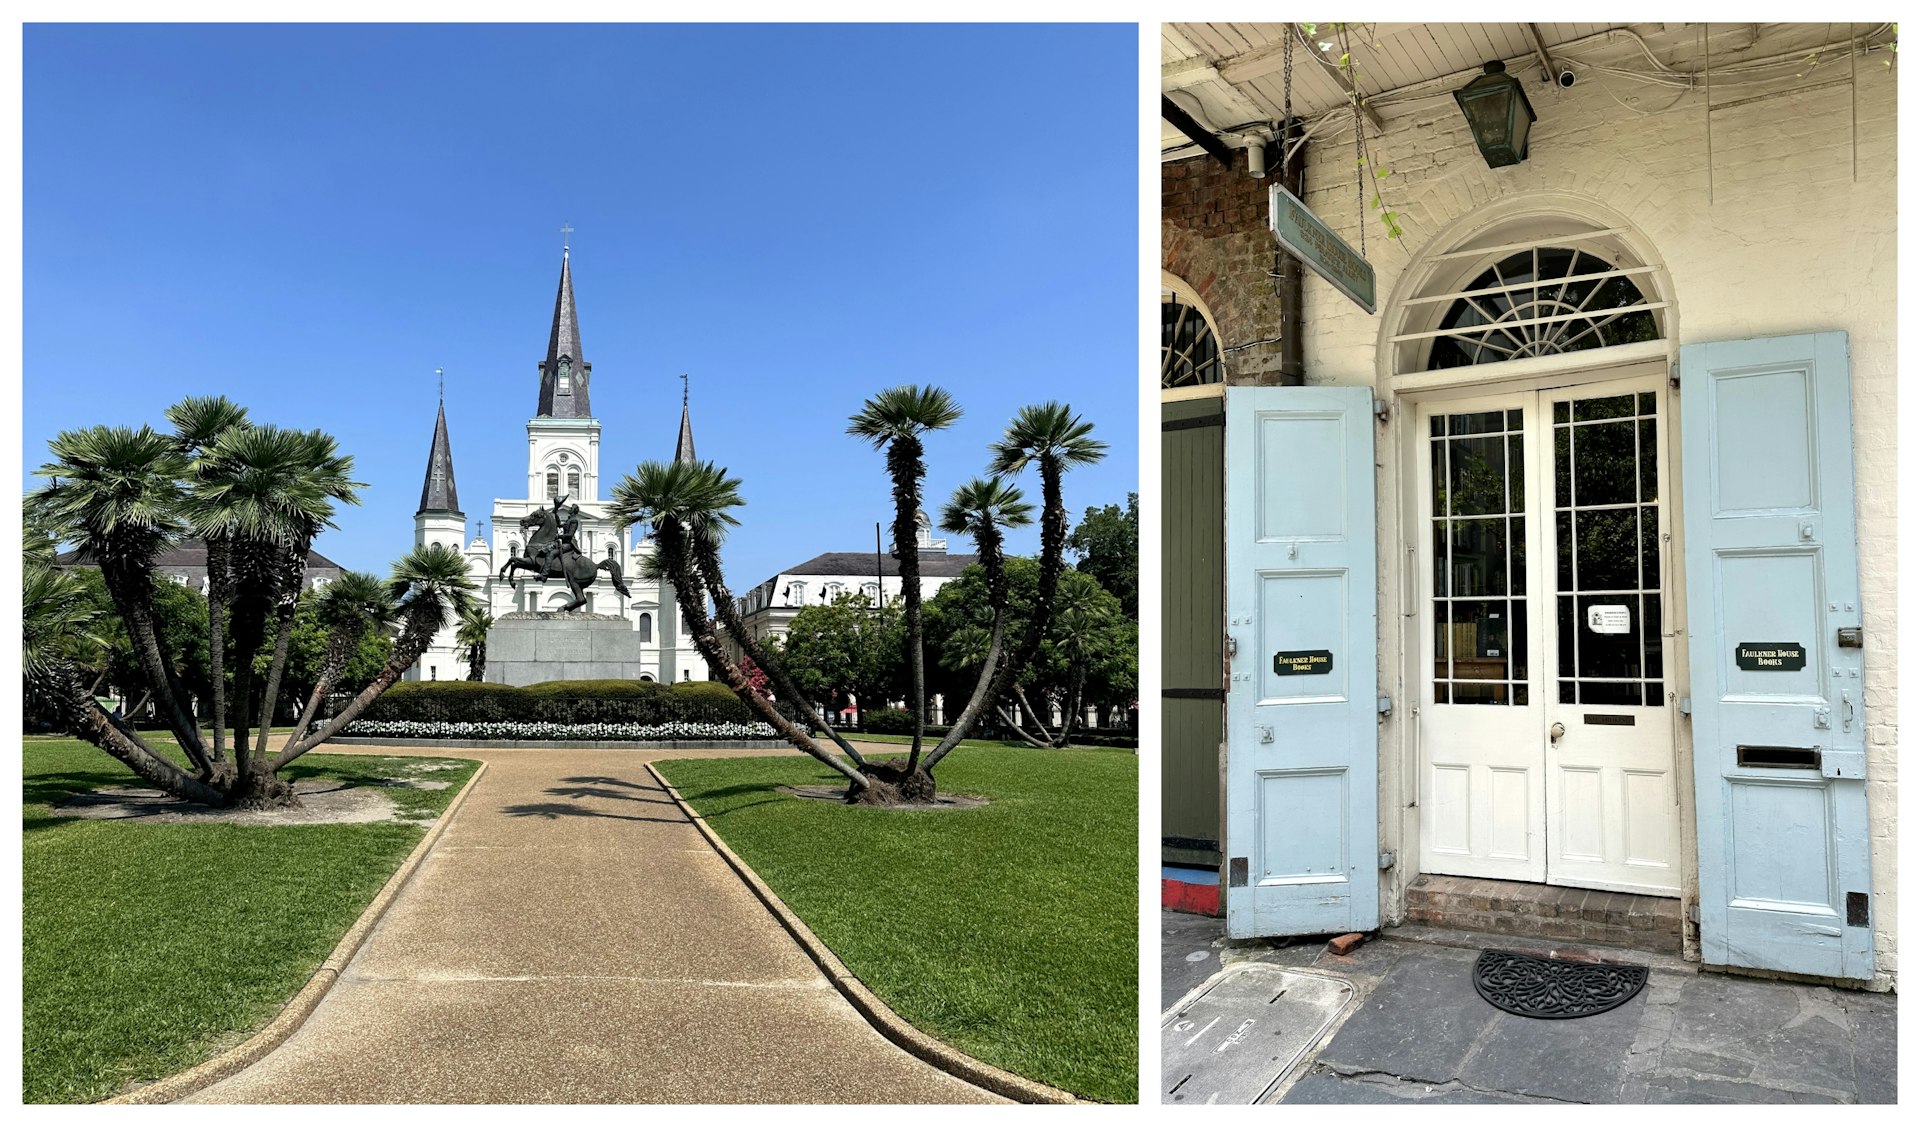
point(556, 810)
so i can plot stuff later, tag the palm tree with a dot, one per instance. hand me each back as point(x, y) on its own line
point(688, 505)
point(57, 618)
point(263, 492)
point(346, 608)
point(197, 422)
point(472, 633)
point(981, 509)
point(114, 493)
point(430, 588)
point(893, 421)
point(1052, 437)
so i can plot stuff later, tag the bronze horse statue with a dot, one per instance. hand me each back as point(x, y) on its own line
point(552, 554)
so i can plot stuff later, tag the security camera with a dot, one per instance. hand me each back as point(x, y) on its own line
point(1566, 77)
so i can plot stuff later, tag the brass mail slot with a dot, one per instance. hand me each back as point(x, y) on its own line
point(1794, 757)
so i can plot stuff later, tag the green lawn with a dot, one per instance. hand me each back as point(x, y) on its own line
point(148, 948)
point(882, 738)
point(1009, 931)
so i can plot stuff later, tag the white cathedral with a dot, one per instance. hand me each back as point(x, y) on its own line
point(563, 458)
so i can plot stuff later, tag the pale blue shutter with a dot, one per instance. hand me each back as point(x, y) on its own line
point(1779, 738)
point(1302, 834)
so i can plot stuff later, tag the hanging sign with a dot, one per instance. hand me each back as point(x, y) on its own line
point(1292, 663)
point(1770, 656)
point(1609, 618)
point(1301, 233)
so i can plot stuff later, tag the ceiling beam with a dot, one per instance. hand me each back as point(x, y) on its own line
point(1196, 132)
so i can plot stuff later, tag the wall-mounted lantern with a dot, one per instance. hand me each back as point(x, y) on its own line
point(1498, 112)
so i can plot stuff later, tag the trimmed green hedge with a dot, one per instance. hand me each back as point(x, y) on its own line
point(562, 702)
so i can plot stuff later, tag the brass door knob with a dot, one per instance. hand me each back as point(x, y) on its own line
point(1557, 731)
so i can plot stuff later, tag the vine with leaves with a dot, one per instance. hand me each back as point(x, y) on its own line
point(1342, 35)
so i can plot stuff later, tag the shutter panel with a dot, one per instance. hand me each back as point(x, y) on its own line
point(1302, 827)
point(1779, 735)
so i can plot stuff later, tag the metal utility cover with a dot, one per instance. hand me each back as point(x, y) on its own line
point(1233, 1039)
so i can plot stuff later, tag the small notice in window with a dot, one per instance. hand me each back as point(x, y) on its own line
point(1609, 618)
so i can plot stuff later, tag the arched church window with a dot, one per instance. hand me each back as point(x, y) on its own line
point(609, 551)
point(553, 484)
point(573, 483)
point(1189, 352)
point(566, 375)
point(513, 548)
point(646, 627)
point(1542, 301)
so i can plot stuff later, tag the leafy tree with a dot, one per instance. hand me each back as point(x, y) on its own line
point(846, 648)
point(893, 421)
point(1106, 545)
point(257, 495)
point(1089, 655)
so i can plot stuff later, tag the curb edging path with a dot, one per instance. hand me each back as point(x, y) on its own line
point(878, 1014)
point(301, 1006)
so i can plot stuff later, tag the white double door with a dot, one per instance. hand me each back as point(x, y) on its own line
point(1546, 724)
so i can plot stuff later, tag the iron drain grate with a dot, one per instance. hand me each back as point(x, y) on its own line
point(1531, 986)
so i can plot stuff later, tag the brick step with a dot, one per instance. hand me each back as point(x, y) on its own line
point(1516, 908)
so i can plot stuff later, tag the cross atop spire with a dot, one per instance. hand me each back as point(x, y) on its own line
point(565, 373)
point(442, 373)
point(566, 239)
point(683, 450)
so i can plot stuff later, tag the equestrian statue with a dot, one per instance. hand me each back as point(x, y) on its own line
point(553, 554)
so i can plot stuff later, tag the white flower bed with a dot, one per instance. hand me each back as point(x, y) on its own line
point(524, 730)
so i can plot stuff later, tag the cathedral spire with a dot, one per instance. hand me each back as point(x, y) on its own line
point(564, 373)
point(683, 450)
point(437, 493)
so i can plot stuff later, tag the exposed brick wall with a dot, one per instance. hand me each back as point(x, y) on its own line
point(1213, 236)
point(1791, 241)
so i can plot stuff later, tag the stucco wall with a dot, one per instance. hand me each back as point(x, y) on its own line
point(1790, 242)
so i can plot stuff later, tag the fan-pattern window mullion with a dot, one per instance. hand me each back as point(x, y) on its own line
point(1544, 302)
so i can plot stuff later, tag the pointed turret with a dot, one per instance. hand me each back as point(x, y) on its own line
point(437, 493)
point(683, 450)
point(564, 374)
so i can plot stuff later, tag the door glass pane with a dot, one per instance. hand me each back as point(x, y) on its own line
point(1479, 557)
point(1607, 537)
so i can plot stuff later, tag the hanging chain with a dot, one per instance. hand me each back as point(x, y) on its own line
point(1286, 87)
point(1359, 161)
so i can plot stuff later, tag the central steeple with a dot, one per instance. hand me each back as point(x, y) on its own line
point(565, 373)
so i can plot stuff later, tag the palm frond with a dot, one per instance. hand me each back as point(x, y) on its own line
point(904, 412)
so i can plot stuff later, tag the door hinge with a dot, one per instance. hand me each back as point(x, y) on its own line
point(1233, 646)
point(1385, 705)
point(1673, 375)
point(1386, 860)
point(1693, 913)
point(1382, 410)
point(1686, 706)
point(1237, 872)
point(1857, 914)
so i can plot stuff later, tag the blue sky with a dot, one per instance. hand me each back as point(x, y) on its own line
point(311, 219)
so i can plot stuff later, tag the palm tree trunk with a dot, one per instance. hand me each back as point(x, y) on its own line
point(218, 587)
point(1039, 719)
point(270, 696)
point(905, 462)
point(987, 540)
point(131, 589)
point(692, 599)
point(707, 554)
point(81, 715)
point(1014, 724)
point(413, 642)
point(1076, 702)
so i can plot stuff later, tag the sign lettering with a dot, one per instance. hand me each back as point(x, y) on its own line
point(1293, 663)
point(1301, 233)
point(1770, 656)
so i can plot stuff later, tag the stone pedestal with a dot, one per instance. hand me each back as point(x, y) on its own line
point(528, 647)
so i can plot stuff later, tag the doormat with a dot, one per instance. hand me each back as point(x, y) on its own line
point(1531, 986)
point(1235, 1038)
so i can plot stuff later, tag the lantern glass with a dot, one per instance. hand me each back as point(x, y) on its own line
point(1498, 112)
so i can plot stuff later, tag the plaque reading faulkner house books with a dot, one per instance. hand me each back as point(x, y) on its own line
point(1292, 663)
point(1770, 656)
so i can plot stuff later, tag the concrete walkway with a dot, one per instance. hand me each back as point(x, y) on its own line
point(573, 939)
point(1419, 1032)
